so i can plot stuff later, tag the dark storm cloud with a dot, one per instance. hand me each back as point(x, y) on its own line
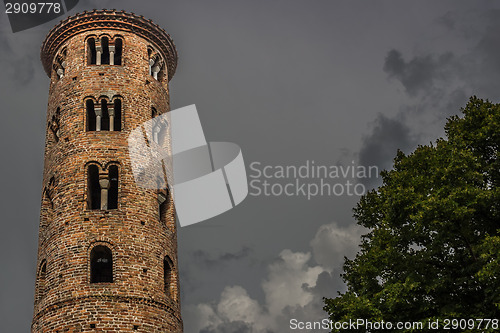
point(327, 285)
point(380, 146)
point(205, 268)
point(455, 101)
point(420, 73)
point(206, 259)
point(486, 54)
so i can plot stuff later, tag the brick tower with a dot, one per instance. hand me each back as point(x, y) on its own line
point(107, 258)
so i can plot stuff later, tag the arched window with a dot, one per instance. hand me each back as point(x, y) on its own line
point(91, 115)
point(113, 187)
point(43, 270)
point(161, 72)
point(50, 192)
point(105, 51)
point(54, 124)
point(102, 190)
point(167, 275)
point(155, 65)
point(162, 206)
point(47, 208)
point(118, 51)
point(160, 132)
point(154, 113)
point(116, 120)
point(93, 187)
point(91, 52)
point(159, 128)
point(42, 274)
point(151, 61)
point(101, 265)
point(104, 118)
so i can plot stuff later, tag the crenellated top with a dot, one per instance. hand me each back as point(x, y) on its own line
point(108, 19)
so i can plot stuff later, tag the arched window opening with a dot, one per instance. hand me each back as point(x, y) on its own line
point(47, 208)
point(43, 270)
point(59, 70)
point(167, 275)
point(155, 65)
point(93, 187)
point(91, 51)
point(154, 113)
point(161, 73)
point(162, 206)
point(159, 128)
point(59, 64)
point(105, 51)
point(116, 117)
point(118, 51)
point(42, 274)
point(113, 187)
point(91, 115)
point(50, 192)
point(151, 61)
point(160, 132)
point(104, 118)
point(54, 124)
point(101, 265)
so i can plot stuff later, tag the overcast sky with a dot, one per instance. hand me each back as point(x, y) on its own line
point(289, 81)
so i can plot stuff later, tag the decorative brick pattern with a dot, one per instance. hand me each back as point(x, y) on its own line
point(140, 239)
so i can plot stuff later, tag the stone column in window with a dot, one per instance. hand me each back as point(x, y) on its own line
point(155, 70)
point(151, 64)
point(111, 113)
point(111, 54)
point(98, 115)
point(104, 183)
point(156, 131)
point(98, 48)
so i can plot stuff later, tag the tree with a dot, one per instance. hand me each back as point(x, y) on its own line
point(432, 250)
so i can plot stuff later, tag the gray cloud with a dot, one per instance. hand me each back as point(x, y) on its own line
point(17, 58)
point(442, 82)
point(380, 146)
point(418, 75)
point(213, 268)
point(294, 288)
point(206, 259)
point(484, 66)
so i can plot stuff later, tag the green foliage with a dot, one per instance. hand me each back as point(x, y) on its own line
point(433, 248)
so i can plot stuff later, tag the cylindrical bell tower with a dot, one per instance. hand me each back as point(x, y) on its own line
point(107, 258)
